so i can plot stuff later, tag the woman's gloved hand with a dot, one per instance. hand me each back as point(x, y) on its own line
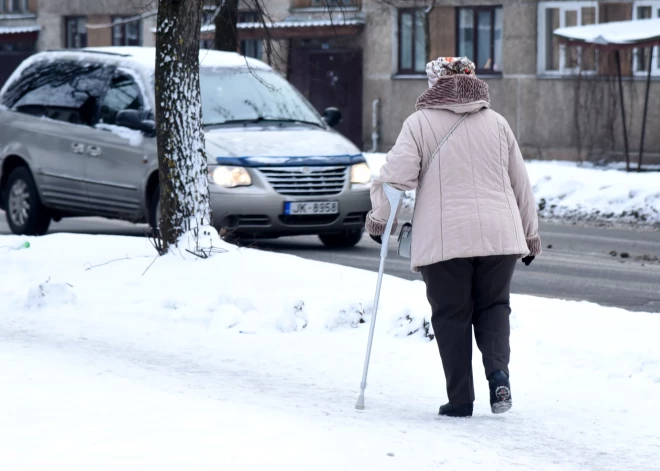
point(529, 259)
point(378, 239)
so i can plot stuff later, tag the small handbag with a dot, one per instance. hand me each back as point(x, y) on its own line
point(405, 236)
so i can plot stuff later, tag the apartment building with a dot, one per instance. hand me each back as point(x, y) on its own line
point(367, 57)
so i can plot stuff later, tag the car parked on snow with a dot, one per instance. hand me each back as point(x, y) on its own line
point(77, 138)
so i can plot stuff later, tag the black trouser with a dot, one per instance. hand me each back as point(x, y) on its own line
point(464, 292)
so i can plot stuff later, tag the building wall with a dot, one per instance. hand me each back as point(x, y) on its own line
point(541, 111)
point(53, 12)
point(102, 36)
point(148, 24)
point(278, 10)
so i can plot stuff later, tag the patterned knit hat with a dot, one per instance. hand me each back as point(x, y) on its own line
point(443, 66)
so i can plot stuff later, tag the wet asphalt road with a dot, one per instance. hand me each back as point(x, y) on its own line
point(577, 263)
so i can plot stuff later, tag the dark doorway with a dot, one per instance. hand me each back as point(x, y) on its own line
point(10, 61)
point(14, 49)
point(331, 78)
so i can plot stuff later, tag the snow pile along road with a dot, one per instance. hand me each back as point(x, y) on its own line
point(586, 193)
point(246, 360)
point(566, 191)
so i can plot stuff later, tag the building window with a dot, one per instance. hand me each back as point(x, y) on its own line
point(644, 10)
point(207, 20)
point(76, 32)
point(15, 6)
point(412, 41)
point(479, 37)
point(206, 43)
point(334, 3)
point(554, 58)
point(127, 31)
point(251, 47)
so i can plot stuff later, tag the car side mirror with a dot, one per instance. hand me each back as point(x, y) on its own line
point(134, 119)
point(332, 116)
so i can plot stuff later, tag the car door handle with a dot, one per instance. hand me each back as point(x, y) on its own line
point(78, 148)
point(94, 151)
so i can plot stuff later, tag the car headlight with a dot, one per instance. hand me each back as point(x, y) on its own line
point(360, 174)
point(229, 177)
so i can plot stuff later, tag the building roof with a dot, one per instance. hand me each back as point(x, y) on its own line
point(20, 29)
point(290, 23)
point(621, 33)
point(294, 23)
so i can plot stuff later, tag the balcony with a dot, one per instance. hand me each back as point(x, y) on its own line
point(325, 5)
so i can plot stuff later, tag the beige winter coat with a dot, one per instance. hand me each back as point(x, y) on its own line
point(476, 199)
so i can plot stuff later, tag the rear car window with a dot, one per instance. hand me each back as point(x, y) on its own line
point(61, 90)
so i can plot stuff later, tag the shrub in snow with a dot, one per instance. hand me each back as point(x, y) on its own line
point(293, 319)
point(50, 295)
point(409, 324)
point(352, 316)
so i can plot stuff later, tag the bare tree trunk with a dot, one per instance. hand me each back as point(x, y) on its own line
point(226, 34)
point(184, 191)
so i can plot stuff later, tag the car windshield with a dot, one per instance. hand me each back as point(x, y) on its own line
point(244, 95)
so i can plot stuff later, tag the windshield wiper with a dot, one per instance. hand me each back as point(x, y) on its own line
point(261, 119)
point(229, 121)
point(289, 120)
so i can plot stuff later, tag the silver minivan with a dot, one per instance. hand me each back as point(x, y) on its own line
point(77, 138)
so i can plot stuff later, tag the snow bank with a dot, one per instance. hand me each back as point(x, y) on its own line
point(247, 290)
point(567, 191)
point(112, 358)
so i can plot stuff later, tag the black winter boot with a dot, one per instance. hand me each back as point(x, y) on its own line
point(500, 392)
point(460, 410)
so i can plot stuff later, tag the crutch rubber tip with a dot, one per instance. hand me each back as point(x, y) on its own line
point(360, 403)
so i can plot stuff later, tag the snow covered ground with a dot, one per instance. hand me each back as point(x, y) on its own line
point(112, 359)
point(586, 193)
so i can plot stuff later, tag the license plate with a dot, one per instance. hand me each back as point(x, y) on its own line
point(310, 207)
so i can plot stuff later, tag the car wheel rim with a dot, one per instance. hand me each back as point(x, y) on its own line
point(19, 203)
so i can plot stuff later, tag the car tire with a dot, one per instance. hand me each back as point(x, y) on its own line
point(340, 240)
point(154, 212)
point(24, 211)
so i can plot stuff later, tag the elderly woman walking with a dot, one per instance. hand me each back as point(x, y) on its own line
point(475, 217)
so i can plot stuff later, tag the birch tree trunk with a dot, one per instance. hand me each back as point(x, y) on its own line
point(184, 190)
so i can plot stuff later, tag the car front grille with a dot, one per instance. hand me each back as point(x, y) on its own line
point(306, 181)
